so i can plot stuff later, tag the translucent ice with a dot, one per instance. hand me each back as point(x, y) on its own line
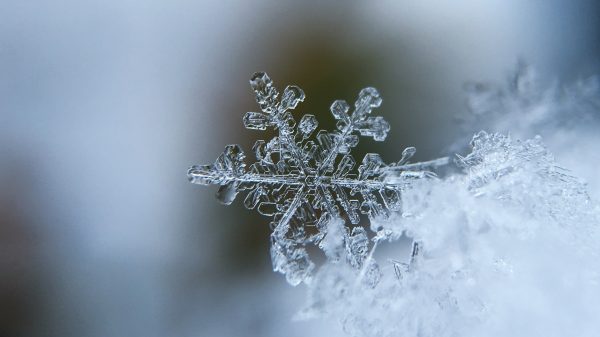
point(304, 182)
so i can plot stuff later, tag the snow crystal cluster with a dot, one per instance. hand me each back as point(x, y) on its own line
point(507, 245)
point(566, 115)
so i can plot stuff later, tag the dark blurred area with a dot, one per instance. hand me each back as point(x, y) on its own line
point(105, 104)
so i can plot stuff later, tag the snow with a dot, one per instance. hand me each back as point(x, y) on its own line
point(507, 244)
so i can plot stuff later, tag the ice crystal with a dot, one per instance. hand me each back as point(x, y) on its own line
point(564, 113)
point(306, 182)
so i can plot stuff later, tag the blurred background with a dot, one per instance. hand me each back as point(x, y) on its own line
point(105, 104)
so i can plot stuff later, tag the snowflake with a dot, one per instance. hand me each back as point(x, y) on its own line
point(306, 183)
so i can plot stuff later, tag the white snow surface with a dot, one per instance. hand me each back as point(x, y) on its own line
point(508, 247)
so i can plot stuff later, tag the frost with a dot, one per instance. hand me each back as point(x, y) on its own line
point(565, 113)
point(307, 184)
point(507, 247)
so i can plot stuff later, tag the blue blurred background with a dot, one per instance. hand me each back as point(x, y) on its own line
point(105, 104)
